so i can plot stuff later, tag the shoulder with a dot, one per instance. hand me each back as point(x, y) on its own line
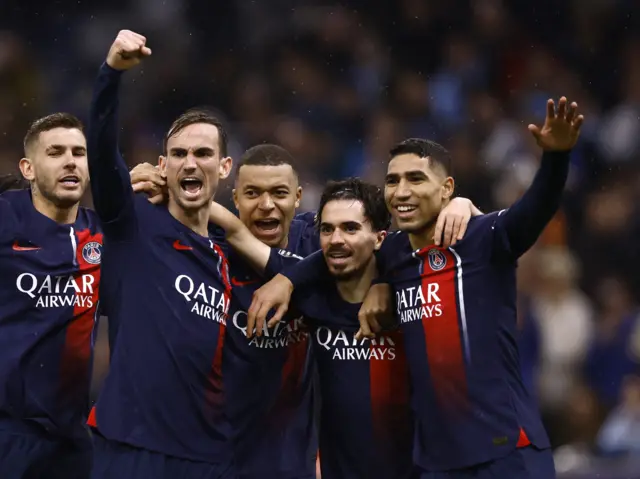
point(394, 244)
point(303, 235)
point(308, 218)
point(90, 219)
point(15, 204)
point(481, 235)
point(396, 238)
point(9, 214)
point(16, 198)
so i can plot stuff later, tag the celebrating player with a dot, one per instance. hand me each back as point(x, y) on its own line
point(268, 381)
point(167, 292)
point(50, 255)
point(457, 308)
point(365, 420)
point(266, 194)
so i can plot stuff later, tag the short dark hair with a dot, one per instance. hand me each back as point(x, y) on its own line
point(266, 155)
point(12, 182)
point(192, 117)
point(49, 122)
point(424, 149)
point(371, 197)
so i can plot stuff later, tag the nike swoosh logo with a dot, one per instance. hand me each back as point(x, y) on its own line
point(240, 284)
point(181, 247)
point(17, 247)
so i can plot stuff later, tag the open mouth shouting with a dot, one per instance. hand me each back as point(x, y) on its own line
point(191, 186)
point(267, 226)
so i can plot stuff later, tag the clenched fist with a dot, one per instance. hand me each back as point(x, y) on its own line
point(127, 50)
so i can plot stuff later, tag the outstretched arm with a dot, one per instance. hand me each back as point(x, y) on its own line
point(523, 223)
point(110, 184)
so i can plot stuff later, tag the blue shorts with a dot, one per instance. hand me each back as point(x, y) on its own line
point(26, 455)
point(522, 463)
point(115, 460)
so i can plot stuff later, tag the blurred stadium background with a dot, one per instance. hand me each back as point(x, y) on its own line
point(339, 83)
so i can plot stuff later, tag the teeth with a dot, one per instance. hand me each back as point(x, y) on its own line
point(405, 208)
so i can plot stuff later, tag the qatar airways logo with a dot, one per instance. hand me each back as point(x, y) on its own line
point(344, 346)
point(418, 303)
point(58, 291)
point(282, 335)
point(203, 299)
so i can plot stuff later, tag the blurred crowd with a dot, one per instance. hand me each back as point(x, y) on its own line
point(338, 83)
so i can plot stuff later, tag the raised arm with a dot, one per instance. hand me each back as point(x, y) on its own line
point(110, 183)
point(523, 223)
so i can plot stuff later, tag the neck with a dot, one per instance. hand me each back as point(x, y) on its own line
point(423, 238)
point(60, 215)
point(355, 289)
point(196, 220)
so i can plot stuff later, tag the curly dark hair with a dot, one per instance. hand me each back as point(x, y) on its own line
point(371, 197)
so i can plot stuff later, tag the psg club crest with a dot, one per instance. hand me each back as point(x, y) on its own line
point(437, 259)
point(92, 252)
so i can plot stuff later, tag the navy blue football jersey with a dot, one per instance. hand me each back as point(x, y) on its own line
point(269, 378)
point(365, 416)
point(49, 282)
point(457, 310)
point(168, 293)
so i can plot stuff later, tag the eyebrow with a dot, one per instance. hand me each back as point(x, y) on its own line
point(250, 186)
point(201, 149)
point(344, 223)
point(407, 173)
point(62, 147)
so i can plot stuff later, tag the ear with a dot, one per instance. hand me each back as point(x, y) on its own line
point(26, 168)
point(448, 188)
point(162, 163)
point(225, 167)
point(380, 236)
point(298, 196)
point(234, 193)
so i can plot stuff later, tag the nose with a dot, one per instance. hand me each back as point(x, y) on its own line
point(336, 237)
point(403, 190)
point(190, 163)
point(70, 161)
point(266, 202)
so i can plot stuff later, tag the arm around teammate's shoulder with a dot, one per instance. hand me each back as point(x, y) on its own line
point(110, 183)
point(523, 223)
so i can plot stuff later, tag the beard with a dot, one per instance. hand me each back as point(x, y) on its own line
point(66, 199)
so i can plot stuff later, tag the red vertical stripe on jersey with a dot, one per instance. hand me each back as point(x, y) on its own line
point(75, 364)
point(294, 366)
point(442, 331)
point(214, 394)
point(389, 389)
